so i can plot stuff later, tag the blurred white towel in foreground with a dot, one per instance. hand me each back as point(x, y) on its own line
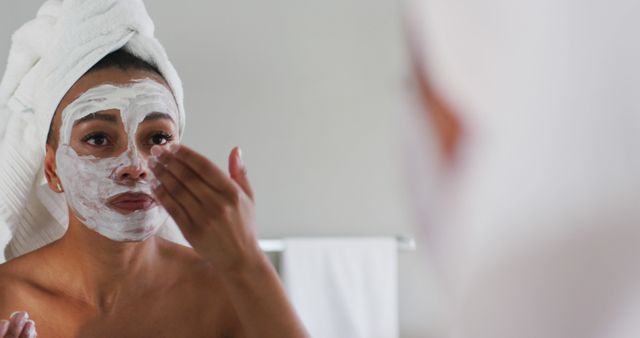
point(343, 287)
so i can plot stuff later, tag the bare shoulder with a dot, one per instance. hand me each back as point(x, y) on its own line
point(21, 282)
point(21, 271)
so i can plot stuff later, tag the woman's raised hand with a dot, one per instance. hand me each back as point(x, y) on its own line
point(18, 326)
point(214, 211)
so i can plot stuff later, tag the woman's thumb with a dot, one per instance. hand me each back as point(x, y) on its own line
point(238, 171)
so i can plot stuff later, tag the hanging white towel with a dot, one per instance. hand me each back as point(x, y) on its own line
point(343, 287)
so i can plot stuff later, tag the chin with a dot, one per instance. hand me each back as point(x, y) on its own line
point(131, 235)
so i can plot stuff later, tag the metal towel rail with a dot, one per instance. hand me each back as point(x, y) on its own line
point(278, 245)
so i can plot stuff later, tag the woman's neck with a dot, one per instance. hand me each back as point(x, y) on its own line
point(103, 271)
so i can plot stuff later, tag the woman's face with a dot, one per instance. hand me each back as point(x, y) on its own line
point(105, 127)
point(103, 134)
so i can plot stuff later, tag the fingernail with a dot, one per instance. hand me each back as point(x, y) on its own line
point(19, 318)
point(23, 313)
point(240, 161)
point(4, 325)
point(30, 327)
point(155, 184)
point(156, 150)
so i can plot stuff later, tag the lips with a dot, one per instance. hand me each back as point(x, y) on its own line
point(130, 202)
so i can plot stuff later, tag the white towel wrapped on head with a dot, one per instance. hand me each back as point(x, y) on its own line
point(48, 55)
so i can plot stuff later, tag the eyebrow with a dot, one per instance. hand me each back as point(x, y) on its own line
point(157, 116)
point(96, 116)
point(113, 119)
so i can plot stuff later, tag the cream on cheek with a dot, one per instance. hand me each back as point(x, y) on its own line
point(90, 182)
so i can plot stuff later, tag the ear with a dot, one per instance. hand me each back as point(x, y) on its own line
point(50, 170)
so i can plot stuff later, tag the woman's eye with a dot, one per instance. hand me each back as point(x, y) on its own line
point(160, 138)
point(96, 139)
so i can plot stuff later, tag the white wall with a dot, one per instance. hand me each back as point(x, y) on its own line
point(312, 92)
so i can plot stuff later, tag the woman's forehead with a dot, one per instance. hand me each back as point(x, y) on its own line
point(140, 97)
point(99, 77)
point(113, 76)
point(113, 116)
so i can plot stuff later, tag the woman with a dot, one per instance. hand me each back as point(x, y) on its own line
point(535, 220)
point(112, 150)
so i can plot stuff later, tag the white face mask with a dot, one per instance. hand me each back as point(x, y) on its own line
point(90, 182)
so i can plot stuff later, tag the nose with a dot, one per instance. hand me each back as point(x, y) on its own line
point(131, 174)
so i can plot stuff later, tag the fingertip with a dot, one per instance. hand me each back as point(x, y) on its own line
point(16, 323)
point(29, 328)
point(236, 165)
point(240, 160)
point(155, 183)
point(19, 316)
point(156, 150)
point(173, 147)
point(4, 327)
point(238, 156)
